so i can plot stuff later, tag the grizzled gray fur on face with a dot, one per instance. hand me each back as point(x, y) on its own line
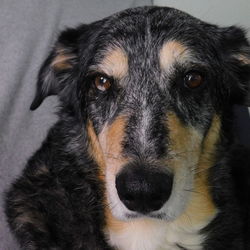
point(143, 156)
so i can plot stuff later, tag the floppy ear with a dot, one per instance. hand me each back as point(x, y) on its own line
point(237, 53)
point(57, 68)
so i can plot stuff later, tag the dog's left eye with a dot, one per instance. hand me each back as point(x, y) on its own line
point(193, 80)
point(102, 82)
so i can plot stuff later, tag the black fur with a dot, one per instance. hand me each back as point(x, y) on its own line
point(58, 201)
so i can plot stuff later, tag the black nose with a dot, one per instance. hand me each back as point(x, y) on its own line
point(143, 189)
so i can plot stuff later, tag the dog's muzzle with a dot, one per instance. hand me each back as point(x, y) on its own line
point(143, 189)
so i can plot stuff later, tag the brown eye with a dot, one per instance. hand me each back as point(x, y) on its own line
point(103, 83)
point(193, 80)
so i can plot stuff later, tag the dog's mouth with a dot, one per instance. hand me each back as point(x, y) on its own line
point(153, 215)
point(158, 215)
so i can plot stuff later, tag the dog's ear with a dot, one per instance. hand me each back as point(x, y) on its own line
point(237, 53)
point(57, 68)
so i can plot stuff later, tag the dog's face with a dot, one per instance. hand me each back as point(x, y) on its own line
point(151, 87)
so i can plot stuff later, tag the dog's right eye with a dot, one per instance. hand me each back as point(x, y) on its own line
point(102, 82)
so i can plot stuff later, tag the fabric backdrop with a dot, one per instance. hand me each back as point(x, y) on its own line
point(28, 30)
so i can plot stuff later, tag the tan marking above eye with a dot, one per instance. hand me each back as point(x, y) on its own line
point(171, 52)
point(114, 63)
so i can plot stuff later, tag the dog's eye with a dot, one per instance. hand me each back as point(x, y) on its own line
point(193, 79)
point(102, 82)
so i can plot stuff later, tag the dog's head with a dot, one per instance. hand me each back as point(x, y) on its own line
point(151, 87)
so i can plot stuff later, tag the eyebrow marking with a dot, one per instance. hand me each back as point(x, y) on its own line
point(171, 52)
point(114, 63)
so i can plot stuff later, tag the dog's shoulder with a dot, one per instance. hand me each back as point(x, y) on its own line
point(56, 197)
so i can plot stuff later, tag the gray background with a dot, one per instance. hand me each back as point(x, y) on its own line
point(28, 29)
point(223, 12)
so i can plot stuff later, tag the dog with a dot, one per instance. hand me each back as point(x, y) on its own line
point(144, 155)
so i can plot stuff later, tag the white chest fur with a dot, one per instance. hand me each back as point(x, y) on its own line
point(154, 235)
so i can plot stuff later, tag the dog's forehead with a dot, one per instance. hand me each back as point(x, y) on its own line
point(142, 40)
point(115, 61)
